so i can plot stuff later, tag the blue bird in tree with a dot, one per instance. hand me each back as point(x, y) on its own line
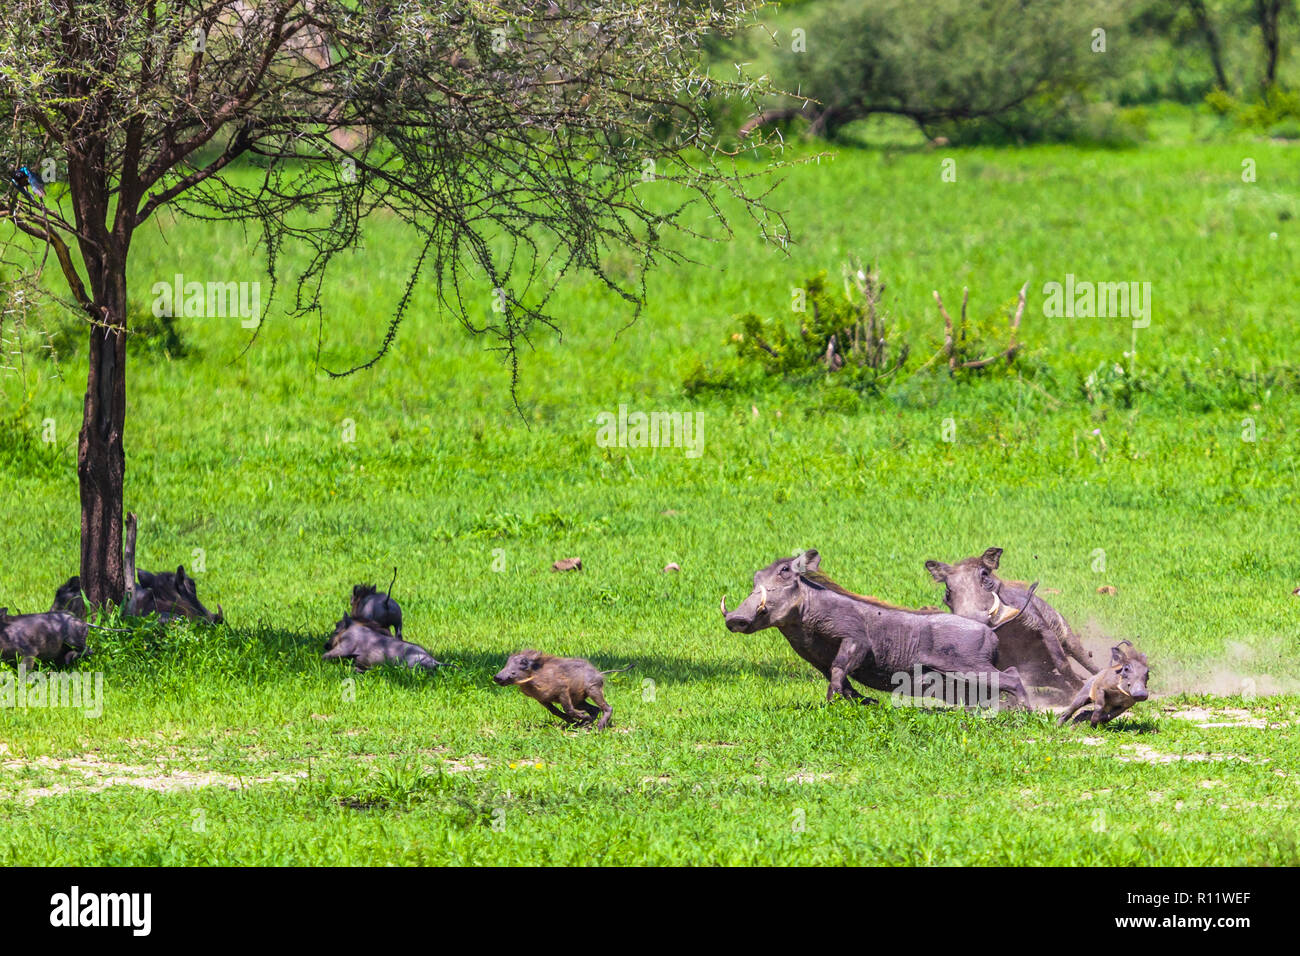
point(28, 182)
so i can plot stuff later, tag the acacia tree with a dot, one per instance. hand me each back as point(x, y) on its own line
point(512, 138)
point(949, 62)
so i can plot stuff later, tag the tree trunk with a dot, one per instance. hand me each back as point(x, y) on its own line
point(1268, 13)
point(101, 459)
point(1212, 42)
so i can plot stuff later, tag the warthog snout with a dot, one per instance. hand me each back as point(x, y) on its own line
point(750, 616)
point(774, 598)
point(519, 668)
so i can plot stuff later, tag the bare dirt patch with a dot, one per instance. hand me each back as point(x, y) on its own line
point(1141, 753)
point(1226, 717)
point(805, 777)
point(465, 764)
point(90, 773)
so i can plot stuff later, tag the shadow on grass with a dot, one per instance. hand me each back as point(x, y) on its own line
point(262, 649)
point(657, 667)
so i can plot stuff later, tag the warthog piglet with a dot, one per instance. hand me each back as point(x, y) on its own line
point(571, 682)
point(1114, 690)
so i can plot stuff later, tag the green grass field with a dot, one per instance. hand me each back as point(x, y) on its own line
point(238, 745)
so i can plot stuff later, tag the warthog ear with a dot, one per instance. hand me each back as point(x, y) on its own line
point(990, 558)
point(1120, 653)
point(938, 570)
point(810, 560)
point(180, 573)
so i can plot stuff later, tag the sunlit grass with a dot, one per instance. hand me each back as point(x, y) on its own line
point(721, 748)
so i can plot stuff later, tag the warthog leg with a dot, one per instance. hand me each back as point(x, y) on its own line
point(1009, 682)
point(849, 658)
point(1081, 699)
point(1074, 647)
point(556, 711)
point(571, 713)
point(602, 706)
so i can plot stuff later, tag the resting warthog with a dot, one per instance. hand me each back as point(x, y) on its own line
point(54, 637)
point(844, 635)
point(371, 605)
point(173, 595)
point(1114, 689)
point(170, 595)
point(1036, 640)
point(368, 645)
point(568, 681)
point(68, 598)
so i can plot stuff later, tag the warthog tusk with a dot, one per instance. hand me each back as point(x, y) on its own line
point(996, 610)
point(762, 598)
point(724, 605)
point(999, 606)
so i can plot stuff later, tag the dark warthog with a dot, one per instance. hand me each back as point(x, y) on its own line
point(1114, 689)
point(54, 637)
point(1036, 640)
point(368, 645)
point(68, 598)
point(567, 681)
point(376, 606)
point(173, 595)
point(844, 635)
point(170, 595)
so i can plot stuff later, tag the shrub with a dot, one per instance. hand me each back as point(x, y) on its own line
point(844, 336)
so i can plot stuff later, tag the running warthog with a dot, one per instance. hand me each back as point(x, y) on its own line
point(571, 682)
point(844, 635)
point(1114, 689)
point(1036, 640)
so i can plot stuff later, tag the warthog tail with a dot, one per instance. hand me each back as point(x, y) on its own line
point(619, 670)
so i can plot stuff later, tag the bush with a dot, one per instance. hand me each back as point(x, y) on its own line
point(149, 335)
point(1276, 109)
point(1053, 120)
point(841, 333)
point(846, 338)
